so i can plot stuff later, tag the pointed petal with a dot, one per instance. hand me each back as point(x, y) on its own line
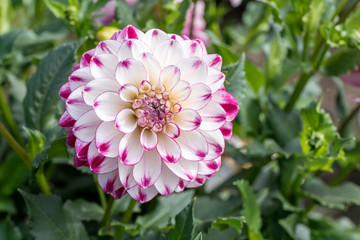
point(226, 130)
point(215, 142)
point(126, 121)
point(81, 149)
point(108, 47)
point(65, 91)
point(66, 121)
point(142, 195)
point(215, 79)
point(181, 186)
point(167, 181)
point(171, 130)
point(193, 145)
point(213, 116)
point(153, 37)
point(85, 127)
point(75, 104)
point(99, 163)
point(108, 105)
point(109, 182)
point(168, 52)
point(126, 176)
point(133, 49)
point(199, 181)
point(130, 150)
point(147, 171)
point(103, 65)
point(152, 67)
point(107, 139)
point(199, 97)
point(187, 119)
point(181, 91)
point(148, 139)
point(170, 76)
point(100, 85)
point(129, 32)
point(130, 71)
point(168, 149)
point(228, 103)
point(213, 61)
point(79, 163)
point(80, 78)
point(209, 167)
point(191, 49)
point(86, 57)
point(193, 70)
point(128, 92)
point(184, 169)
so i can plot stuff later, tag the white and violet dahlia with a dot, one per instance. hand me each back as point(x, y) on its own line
point(148, 113)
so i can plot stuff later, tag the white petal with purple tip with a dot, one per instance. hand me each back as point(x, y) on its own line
point(213, 116)
point(147, 171)
point(85, 127)
point(94, 88)
point(109, 182)
point(107, 139)
point(126, 176)
point(213, 61)
point(130, 149)
point(98, 163)
point(107, 46)
point(215, 142)
point(75, 104)
point(128, 92)
point(168, 149)
point(171, 130)
point(215, 79)
point(187, 119)
point(126, 120)
point(133, 49)
point(130, 71)
point(168, 52)
point(80, 77)
point(167, 181)
point(192, 49)
point(103, 65)
point(108, 105)
point(153, 37)
point(152, 67)
point(193, 70)
point(184, 169)
point(193, 145)
point(181, 91)
point(200, 96)
point(148, 139)
point(169, 77)
point(142, 195)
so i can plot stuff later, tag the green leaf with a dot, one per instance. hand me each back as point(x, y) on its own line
point(36, 142)
point(166, 208)
point(57, 8)
point(198, 237)
point(8, 230)
point(223, 223)
point(251, 210)
point(41, 99)
point(184, 224)
point(289, 224)
point(338, 197)
point(235, 79)
point(254, 76)
point(178, 24)
point(326, 229)
point(124, 14)
point(352, 22)
point(341, 62)
point(83, 210)
point(7, 41)
point(48, 220)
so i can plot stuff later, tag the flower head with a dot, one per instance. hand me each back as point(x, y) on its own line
point(148, 113)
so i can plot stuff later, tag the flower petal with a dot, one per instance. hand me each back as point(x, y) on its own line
point(193, 145)
point(103, 65)
point(65, 91)
point(228, 103)
point(147, 171)
point(75, 104)
point(130, 150)
point(130, 71)
point(153, 37)
point(142, 195)
point(213, 116)
point(181, 91)
point(133, 49)
point(126, 176)
point(108, 105)
point(181, 186)
point(86, 57)
point(85, 127)
point(80, 78)
point(108, 47)
point(99, 163)
point(128, 92)
point(209, 167)
point(167, 181)
point(94, 88)
point(226, 130)
point(168, 149)
point(170, 76)
point(199, 97)
point(184, 169)
point(213, 61)
point(152, 67)
point(215, 142)
point(168, 52)
point(126, 120)
point(194, 70)
point(171, 130)
point(187, 119)
point(109, 182)
point(129, 32)
point(107, 139)
point(215, 79)
point(148, 139)
point(66, 121)
point(191, 49)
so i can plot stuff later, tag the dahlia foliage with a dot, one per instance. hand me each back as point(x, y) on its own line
point(148, 113)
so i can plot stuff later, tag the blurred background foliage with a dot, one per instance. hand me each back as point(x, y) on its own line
point(291, 170)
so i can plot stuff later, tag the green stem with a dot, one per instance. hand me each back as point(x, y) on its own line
point(8, 117)
point(303, 79)
point(100, 193)
point(339, 9)
point(41, 180)
point(348, 119)
point(342, 175)
point(129, 211)
point(107, 216)
point(15, 145)
point(352, 8)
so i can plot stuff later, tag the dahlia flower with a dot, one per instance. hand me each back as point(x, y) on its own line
point(148, 113)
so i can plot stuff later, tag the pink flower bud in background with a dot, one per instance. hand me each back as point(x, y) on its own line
point(107, 14)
